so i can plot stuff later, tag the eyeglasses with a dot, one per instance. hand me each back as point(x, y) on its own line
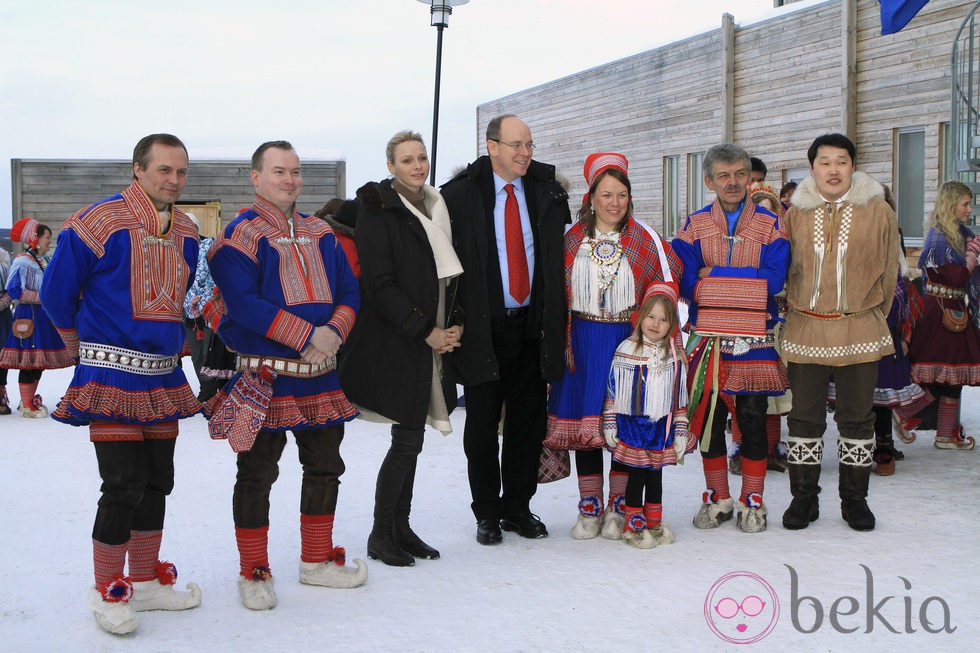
point(751, 606)
point(517, 146)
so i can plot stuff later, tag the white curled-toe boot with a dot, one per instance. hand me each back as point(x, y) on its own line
point(154, 595)
point(111, 607)
point(259, 594)
point(331, 574)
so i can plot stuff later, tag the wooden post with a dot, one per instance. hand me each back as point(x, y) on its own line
point(848, 100)
point(728, 78)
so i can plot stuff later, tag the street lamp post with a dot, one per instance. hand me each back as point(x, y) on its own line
point(441, 10)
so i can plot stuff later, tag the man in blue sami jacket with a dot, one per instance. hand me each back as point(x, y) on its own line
point(291, 301)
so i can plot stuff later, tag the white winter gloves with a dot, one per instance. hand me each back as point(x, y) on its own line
point(612, 440)
point(680, 447)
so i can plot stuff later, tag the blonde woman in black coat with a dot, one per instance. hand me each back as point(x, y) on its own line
point(394, 367)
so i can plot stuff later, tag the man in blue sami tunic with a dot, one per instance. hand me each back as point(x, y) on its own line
point(291, 301)
point(115, 291)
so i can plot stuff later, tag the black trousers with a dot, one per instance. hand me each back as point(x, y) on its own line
point(136, 479)
point(750, 415)
point(258, 469)
point(855, 399)
point(504, 487)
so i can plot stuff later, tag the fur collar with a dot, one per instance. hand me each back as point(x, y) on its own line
point(341, 229)
point(863, 189)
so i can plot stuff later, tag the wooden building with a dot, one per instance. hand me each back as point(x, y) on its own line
point(770, 87)
point(52, 190)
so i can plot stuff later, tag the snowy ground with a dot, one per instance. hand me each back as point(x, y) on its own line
point(555, 594)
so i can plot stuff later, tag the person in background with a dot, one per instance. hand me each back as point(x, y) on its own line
point(945, 344)
point(396, 366)
point(786, 194)
point(115, 291)
point(6, 320)
point(33, 345)
point(759, 171)
point(203, 305)
point(341, 215)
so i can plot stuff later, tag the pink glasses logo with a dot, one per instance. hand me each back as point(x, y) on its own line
point(741, 608)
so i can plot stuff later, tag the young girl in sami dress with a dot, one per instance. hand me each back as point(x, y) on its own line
point(644, 418)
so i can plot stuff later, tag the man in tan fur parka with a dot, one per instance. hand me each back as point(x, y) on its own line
point(844, 243)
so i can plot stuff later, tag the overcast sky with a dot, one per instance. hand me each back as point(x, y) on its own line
point(87, 79)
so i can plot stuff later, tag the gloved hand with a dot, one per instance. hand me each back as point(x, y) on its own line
point(680, 447)
point(973, 245)
point(612, 440)
point(972, 252)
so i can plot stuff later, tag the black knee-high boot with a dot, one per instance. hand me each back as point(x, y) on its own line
point(803, 464)
point(404, 535)
point(855, 470)
point(401, 457)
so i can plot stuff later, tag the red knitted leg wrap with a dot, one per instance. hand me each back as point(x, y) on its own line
point(948, 419)
point(617, 485)
point(753, 478)
point(144, 554)
point(590, 485)
point(316, 534)
point(253, 549)
point(654, 512)
point(716, 476)
point(108, 560)
point(27, 392)
point(772, 432)
point(635, 521)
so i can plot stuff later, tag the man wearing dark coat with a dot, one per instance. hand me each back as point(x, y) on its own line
point(508, 214)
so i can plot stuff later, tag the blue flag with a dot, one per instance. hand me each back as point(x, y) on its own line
point(896, 14)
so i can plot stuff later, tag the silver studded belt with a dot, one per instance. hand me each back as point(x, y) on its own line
point(287, 366)
point(125, 360)
point(946, 292)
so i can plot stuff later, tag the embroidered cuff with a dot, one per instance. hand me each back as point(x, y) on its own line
point(342, 321)
point(70, 338)
point(290, 330)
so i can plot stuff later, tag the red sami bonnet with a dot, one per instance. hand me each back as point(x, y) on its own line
point(25, 231)
point(600, 162)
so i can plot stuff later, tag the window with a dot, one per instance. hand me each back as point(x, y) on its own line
point(947, 164)
point(696, 190)
point(796, 174)
point(672, 195)
point(910, 180)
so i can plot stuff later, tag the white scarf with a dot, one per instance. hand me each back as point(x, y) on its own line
point(439, 231)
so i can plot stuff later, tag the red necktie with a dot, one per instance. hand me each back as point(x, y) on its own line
point(520, 284)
